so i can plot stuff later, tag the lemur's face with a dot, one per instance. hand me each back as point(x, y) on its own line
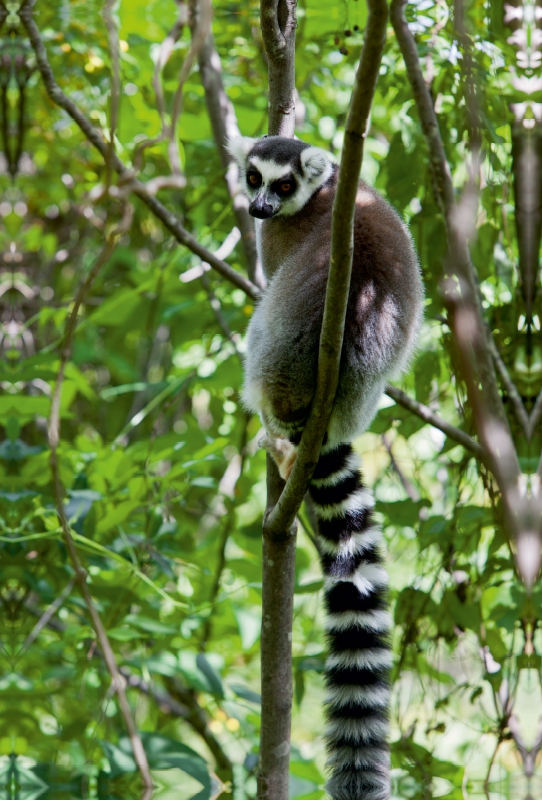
point(279, 175)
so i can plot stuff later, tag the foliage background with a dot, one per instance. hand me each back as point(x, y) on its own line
point(164, 482)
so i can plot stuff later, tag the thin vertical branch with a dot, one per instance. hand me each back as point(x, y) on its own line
point(277, 18)
point(113, 41)
point(278, 23)
point(278, 579)
point(224, 125)
point(526, 168)
point(512, 391)
point(164, 54)
point(200, 32)
point(409, 488)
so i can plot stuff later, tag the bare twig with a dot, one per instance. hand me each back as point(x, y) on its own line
point(409, 488)
point(485, 785)
point(94, 136)
point(186, 707)
point(229, 491)
point(512, 391)
point(47, 616)
point(200, 31)
point(433, 419)
point(216, 307)
point(163, 56)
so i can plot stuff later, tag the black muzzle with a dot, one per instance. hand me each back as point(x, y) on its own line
point(260, 209)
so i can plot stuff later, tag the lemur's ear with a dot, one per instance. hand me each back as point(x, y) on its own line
point(240, 147)
point(314, 162)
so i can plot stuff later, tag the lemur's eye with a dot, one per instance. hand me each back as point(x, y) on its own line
point(254, 179)
point(284, 186)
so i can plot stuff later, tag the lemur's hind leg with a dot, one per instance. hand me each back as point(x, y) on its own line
point(284, 418)
point(283, 452)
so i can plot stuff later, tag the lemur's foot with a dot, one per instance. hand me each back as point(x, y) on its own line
point(283, 452)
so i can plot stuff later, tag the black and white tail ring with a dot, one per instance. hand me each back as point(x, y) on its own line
point(358, 622)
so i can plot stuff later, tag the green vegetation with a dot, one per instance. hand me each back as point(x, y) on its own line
point(163, 481)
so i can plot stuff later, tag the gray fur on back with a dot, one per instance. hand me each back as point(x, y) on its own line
point(384, 312)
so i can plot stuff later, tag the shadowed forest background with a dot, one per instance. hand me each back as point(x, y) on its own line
point(158, 463)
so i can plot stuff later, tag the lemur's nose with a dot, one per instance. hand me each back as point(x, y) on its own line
point(260, 209)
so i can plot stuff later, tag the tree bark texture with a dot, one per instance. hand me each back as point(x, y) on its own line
point(278, 23)
point(278, 577)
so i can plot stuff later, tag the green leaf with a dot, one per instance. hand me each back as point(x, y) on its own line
point(245, 693)
point(150, 625)
point(249, 627)
point(215, 682)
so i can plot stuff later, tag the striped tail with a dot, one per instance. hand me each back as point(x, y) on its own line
point(357, 671)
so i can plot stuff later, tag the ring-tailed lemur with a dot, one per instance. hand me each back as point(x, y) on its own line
point(291, 187)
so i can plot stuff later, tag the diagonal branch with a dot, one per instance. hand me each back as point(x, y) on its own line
point(47, 616)
point(409, 488)
point(126, 176)
point(113, 41)
point(433, 419)
point(512, 391)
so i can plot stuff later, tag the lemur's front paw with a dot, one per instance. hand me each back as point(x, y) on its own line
point(283, 452)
